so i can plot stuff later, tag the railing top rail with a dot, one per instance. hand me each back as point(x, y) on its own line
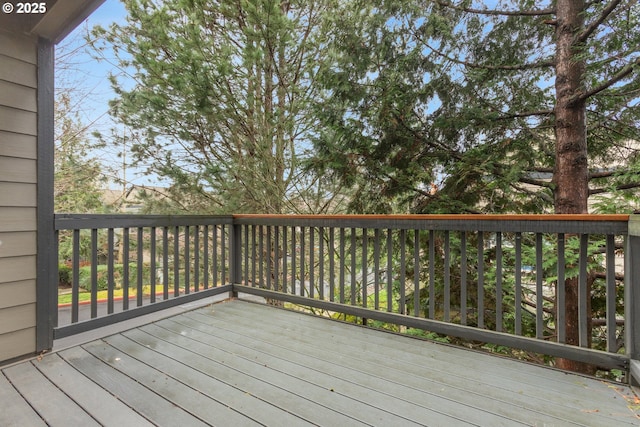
point(583, 223)
point(82, 221)
point(445, 217)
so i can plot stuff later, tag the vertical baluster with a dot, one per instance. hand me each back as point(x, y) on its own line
point(432, 274)
point(403, 269)
point(499, 295)
point(262, 281)
point(254, 258)
point(612, 346)
point(583, 292)
point(196, 258)
point(140, 266)
point(125, 269)
point(187, 260)
point(376, 268)
point(224, 235)
point(447, 277)
point(270, 263)
point(561, 330)
point(321, 274)
point(152, 264)
point(276, 236)
point(285, 255)
point(416, 273)
point(165, 263)
point(480, 280)
point(389, 270)
point(332, 261)
point(312, 262)
point(245, 248)
point(518, 284)
point(302, 263)
point(215, 255)
point(365, 268)
point(342, 263)
point(353, 265)
point(205, 256)
point(463, 278)
point(75, 285)
point(94, 273)
point(110, 267)
point(176, 261)
point(539, 292)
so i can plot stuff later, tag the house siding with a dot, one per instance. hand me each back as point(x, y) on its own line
point(18, 200)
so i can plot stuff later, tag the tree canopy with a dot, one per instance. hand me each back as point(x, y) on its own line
point(220, 103)
point(436, 106)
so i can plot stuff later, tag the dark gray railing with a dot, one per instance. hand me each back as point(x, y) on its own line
point(492, 279)
point(154, 262)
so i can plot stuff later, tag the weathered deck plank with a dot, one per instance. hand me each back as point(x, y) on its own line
point(481, 379)
point(239, 363)
point(55, 407)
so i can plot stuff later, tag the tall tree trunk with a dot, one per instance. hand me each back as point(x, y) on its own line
point(571, 169)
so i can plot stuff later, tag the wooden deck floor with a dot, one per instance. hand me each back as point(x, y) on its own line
point(240, 363)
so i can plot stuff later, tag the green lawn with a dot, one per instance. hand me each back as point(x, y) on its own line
point(86, 296)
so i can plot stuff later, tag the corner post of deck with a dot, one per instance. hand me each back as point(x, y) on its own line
point(235, 261)
point(632, 298)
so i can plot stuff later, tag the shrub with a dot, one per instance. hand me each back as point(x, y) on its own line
point(118, 276)
point(65, 276)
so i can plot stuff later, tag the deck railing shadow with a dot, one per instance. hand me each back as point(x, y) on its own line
point(498, 279)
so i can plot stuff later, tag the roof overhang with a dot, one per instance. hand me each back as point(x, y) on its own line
point(61, 17)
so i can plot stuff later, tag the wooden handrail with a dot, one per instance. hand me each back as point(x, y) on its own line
point(446, 217)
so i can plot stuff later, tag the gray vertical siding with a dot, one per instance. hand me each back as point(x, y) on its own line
point(18, 199)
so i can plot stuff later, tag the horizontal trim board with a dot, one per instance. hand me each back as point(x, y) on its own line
point(99, 322)
point(17, 293)
point(18, 72)
point(18, 170)
point(17, 96)
point(17, 219)
point(17, 268)
point(17, 318)
point(608, 360)
point(14, 244)
point(17, 145)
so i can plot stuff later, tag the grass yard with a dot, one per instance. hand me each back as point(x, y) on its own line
point(83, 295)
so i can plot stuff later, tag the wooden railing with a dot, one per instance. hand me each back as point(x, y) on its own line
point(503, 279)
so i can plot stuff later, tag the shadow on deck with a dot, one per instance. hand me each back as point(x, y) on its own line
point(241, 363)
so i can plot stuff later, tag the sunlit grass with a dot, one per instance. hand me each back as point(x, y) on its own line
point(103, 295)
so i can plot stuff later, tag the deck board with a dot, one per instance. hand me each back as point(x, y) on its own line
point(238, 363)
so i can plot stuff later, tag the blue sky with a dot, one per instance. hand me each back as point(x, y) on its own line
point(90, 88)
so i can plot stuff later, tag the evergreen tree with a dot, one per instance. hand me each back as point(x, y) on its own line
point(439, 106)
point(221, 97)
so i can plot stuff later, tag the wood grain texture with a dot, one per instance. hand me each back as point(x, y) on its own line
point(240, 363)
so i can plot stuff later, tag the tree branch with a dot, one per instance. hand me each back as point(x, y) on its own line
point(584, 35)
point(624, 72)
point(629, 186)
point(541, 12)
point(530, 66)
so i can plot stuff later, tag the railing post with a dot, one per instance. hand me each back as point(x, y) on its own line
point(235, 257)
point(632, 298)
